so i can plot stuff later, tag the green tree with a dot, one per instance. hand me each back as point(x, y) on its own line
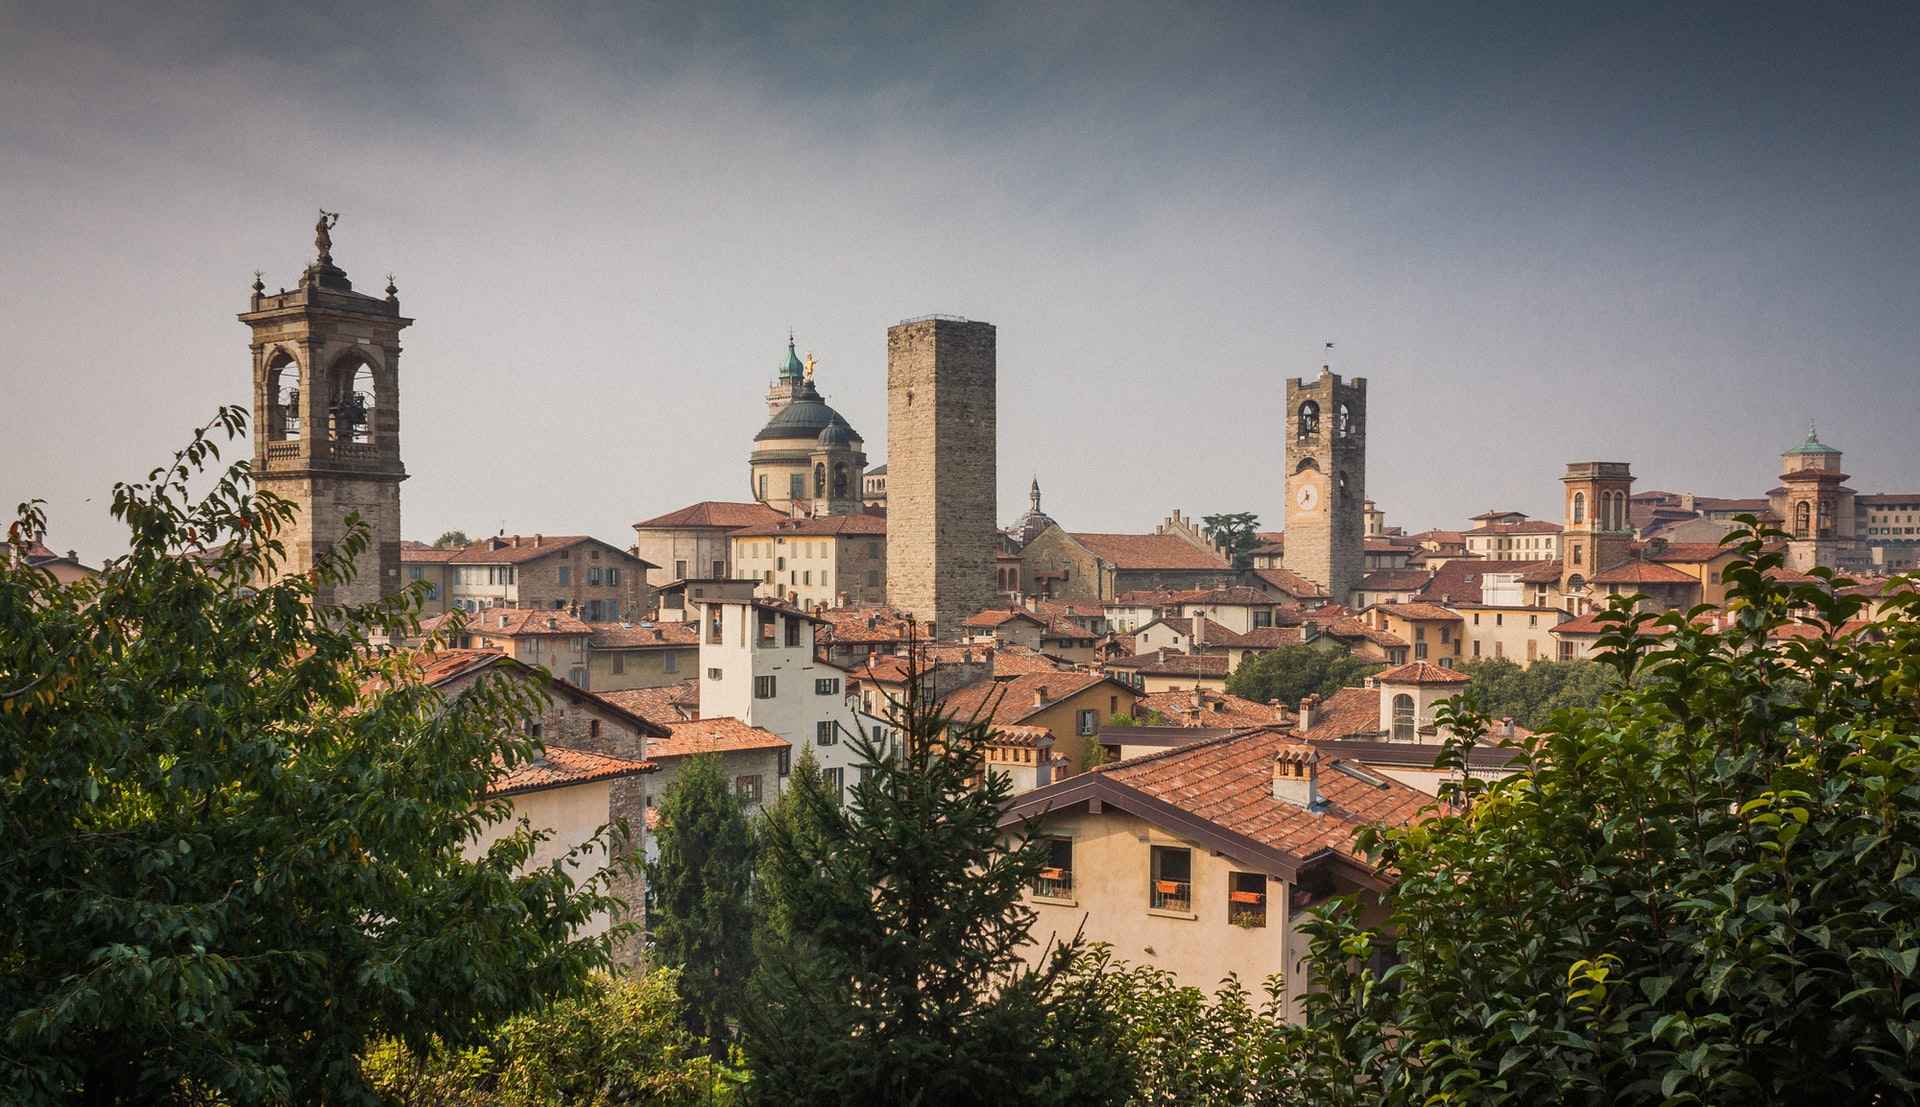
point(1146, 717)
point(1705, 890)
point(1292, 672)
point(1235, 536)
point(700, 917)
point(1530, 695)
point(451, 539)
point(619, 1042)
point(236, 836)
point(899, 977)
point(795, 818)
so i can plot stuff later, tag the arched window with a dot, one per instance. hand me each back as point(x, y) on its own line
point(1340, 481)
point(356, 401)
point(1307, 465)
point(1579, 507)
point(283, 397)
point(1403, 717)
point(1343, 424)
point(820, 479)
point(1309, 419)
point(1619, 511)
point(1802, 519)
point(840, 479)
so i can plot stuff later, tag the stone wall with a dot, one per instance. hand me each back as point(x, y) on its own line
point(942, 382)
point(1326, 471)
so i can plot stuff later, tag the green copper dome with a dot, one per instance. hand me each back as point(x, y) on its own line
point(1813, 445)
point(791, 369)
point(805, 417)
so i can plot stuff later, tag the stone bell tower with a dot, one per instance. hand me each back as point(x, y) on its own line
point(326, 416)
point(1326, 436)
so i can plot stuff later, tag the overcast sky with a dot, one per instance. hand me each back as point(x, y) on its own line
point(1665, 234)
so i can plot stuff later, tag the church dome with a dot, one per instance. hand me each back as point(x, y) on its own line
point(805, 417)
point(1028, 527)
point(790, 367)
point(838, 435)
point(1812, 446)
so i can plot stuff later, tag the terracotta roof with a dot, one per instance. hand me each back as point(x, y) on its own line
point(1063, 629)
point(634, 636)
point(1143, 598)
point(1543, 572)
point(1879, 499)
point(1238, 595)
point(417, 553)
point(1531, 526)
point(1264, 638)
point(1211, 633)
point(1441, 537)
point(1463, 580)
point(1756, 506)
point(721, 735)
point(1067, 609)
point(1229, 782)
point(1012, 701)
point(1590, 624)
point(562, 767)
point(1419, 672)
point(995, 616)
point(1347, 712)
point(520, 622)
point(1418, 612)
point(1291, 583)
point(1214, 709)
point(439, 666)
point(1020, 736)
point(1162, 663)
point(830, 526)
point(656, 705)
point(1689, 552)
point(1346, 626)
point(1642, 572)
point(866, 624)
point(1021, 661)
point(715, 513)
point(1148, 551)
point(502, 550)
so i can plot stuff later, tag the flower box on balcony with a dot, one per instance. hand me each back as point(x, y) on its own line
point(1246, 897)
point(1053, 874)
point(1169, 887)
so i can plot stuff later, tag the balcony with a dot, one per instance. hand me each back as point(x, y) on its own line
point(1171, 895)
point(1054, 883)
point(1248, 909)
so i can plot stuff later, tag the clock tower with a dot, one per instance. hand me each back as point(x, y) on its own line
point(1326, 458)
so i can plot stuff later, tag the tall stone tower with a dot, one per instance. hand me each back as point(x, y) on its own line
point(326, 416)
point(941, 413)
point(1327, 481)
point(1599, 529)
point(1817, 506)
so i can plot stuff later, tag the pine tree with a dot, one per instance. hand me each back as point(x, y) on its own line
point(701, 921)
point(896, 973)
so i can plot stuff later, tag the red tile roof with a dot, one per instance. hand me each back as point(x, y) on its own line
point(520, 622)
point(1214, 709)
point(418, 553)
point(715, 513)
point(1643, 572)
point(1346, 626)
point(1237, 596)
point(1291, 583)
point(1163, 663)
point(1228, 781)
point(1418, 612)
point(1531, 526)
point(1013, 701)
point(1021, 661)
point(1347, 712)
point(656, 705)
point(827, 526)
point(1590, 624)
point(563, 767)
point(1690, 552)
point(634, 636)
point(1149, 551)
point(1463, 580)
point(866, 624)
point(503, 550)
point(995, 616)
point(1419, 672)
point(1396, 580)
point(721, 735)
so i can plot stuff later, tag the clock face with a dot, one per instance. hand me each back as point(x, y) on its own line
point(1306, 497)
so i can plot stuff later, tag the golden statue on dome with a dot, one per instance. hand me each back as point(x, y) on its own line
point(809, 364)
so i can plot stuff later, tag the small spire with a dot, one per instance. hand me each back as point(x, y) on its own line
point(1033, 493)
point(258, 284)
point(393, 292)
point(1812, 434)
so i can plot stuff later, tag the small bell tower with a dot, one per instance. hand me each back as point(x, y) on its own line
point(326, 416)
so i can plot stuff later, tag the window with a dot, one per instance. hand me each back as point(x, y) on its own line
point(1056, 879)
point(786, 761)
point(1499, 619)
point(797, 486)
point(713, 674)
point(713, 626)
point(1403, 717)
point(565, 554)
point(873, 550)
point(1172, 883)
point(719, 570)
point(1476, 647)
point(1089, 722)
point(612, 575)
point(747, 788)
point(836, 782)
point(1533, 620)
point(793, 631)
point(806, 576)
point(619, 662)
point(534, 729)
point(1419, 651)
point(566, 574)
point(826, 686)
point(670, 663)
point(767, 626)
point(1247, 899)
point(825, 733)
point(873, 578)
point(763, 687)
point(1579, 507)
point(593, 574)
point(593, 728)
point(1576, 553)
point(679, 570)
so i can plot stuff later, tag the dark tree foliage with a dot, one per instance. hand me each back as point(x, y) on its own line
point(451, 539)
point(700, 918)
point(1292, 672)
point(896, 974)
point(1235, 535)
point(799, 818)
point(1529, 695)
point(1706, 890)
point(232, 834)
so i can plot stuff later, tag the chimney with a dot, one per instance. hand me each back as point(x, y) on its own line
point(552, 623)
point(537, 539)
point(1307, 705)
point(1506, 726)
point(1198, 701)
point(1296, 777)
point(1199, 632)
point(1040, 696)
point(514, 542)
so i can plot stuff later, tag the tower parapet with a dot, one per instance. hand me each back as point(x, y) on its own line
point(1326, 479)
